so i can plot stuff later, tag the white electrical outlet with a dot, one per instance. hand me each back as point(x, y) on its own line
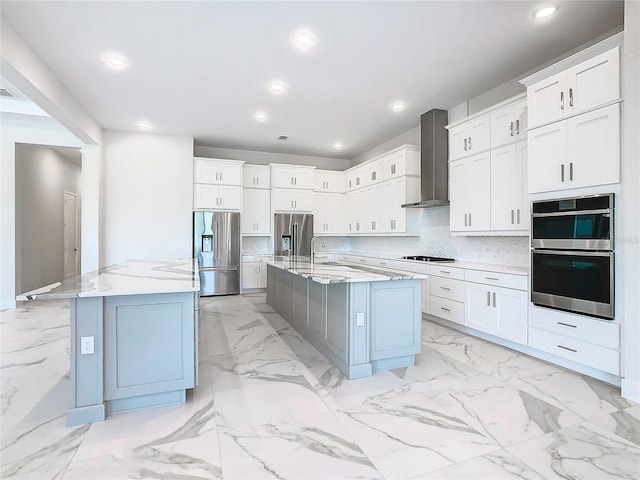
point(86, 345)
point(359, 319)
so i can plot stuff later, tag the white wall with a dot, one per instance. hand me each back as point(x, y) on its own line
point(148, 196)
point(42, 131)
point(265, 158)
point(42, 177)
point(628, 240)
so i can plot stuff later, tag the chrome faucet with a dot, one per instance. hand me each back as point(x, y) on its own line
point(313, 253)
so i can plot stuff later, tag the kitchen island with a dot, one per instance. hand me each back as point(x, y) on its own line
point(134, 336)
point(363, 319)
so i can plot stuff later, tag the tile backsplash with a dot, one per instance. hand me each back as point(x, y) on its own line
point(436, 240)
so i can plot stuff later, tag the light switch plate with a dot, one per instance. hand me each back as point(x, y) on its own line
point(87, 345)
point(359, 319)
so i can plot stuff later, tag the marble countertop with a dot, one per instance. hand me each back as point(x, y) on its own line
point(341, 272)
point(132, 277)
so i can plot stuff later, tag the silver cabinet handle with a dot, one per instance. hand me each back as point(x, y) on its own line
point(447, 289)
point(494, 299)
point(488, 299)
point(511, 129)
point(465, 219)
point(562, 172)
point(445, 309)
point(492, 278)
point(570, 170)
point(445, 272)
point(567, 325)
point(518, 215)
point(567, 348)
point(465, 144)
point(561, 100)
point(220, 176)
point(469, 219)
point(511, 217)
point(469, 143)
point(571, 97)
point(517, 127)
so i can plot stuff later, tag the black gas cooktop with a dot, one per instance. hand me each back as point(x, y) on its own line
point(423, 258)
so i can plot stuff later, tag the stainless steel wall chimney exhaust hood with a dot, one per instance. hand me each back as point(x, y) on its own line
point(434, 158)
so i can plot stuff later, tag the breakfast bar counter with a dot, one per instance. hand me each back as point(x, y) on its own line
point(134, 329)
point(362, 318)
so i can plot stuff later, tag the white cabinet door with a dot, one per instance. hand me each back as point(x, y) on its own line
point(470, 193)
point(594, 82)
point(319, 213)
point(508, 187)
point(282, 177)
point(220, 172)
point(329, 181)
point(511, 314)
point(303, 178)
point(303, 200)
point(250, 275)
point(594, 148)
point(374, 172)
point(509, 124)
point(546, 100)
point(217, 197)
point(334, 214)
point(458, 142)
point(548, 150)
point(395, 217)
point(282, 199)
point(261, 279)
point(478, 131)
point(479, 313)
point(256, 212)
point(256, 176)
point(425, 296)
point(349, 213)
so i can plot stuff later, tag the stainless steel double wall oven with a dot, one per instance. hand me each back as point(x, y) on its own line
point(572, 256)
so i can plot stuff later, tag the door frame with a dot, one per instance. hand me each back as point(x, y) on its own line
point(77, 232)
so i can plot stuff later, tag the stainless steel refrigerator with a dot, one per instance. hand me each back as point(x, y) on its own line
point(293, 234)
point(216, 245)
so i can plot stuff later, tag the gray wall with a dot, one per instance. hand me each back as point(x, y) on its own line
point(410, 137)
point(42, 176)
point(265, 158)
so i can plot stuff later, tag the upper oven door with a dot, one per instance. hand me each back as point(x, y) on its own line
point(586, 230)
point(580, 223)
point(577, 281)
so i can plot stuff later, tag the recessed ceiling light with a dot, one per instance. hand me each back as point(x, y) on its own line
point(144, 125)
point(304, 38)
point(115, 60)
point(260, 116)
point(545, 11)
point(337, 145)
point(277, 86)
point(398, 106)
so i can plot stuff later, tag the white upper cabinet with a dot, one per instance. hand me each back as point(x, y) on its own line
point(217, 197)
point(509, 194)
point(469, 192)
point(329, 181)
point(256, 176)
point(470, 137)
point(578, 89)
point(400, 162)
point(373, 172)
point(582, 151)
point(509, 124)
point(256, 211)
point(288, 176)
point(328, 213)
point(292, 200)
point(217, 172)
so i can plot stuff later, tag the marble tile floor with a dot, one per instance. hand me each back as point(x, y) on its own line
point(270, 406)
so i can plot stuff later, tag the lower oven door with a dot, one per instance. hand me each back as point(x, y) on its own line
point(576, 281)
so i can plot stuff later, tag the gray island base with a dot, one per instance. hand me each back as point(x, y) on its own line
point(362, 319)
point(134, 336)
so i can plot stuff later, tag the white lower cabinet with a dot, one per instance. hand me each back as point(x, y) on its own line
point(447, 293)
point(254, 275)
point(581, 339)
point(497, 310)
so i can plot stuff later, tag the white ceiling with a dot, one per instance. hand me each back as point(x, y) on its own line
point(202, 69)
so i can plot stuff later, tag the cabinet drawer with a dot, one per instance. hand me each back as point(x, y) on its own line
point(447, 288)
point(447, 272)
point(507, 280)
point(591, 330)
point(447, 309)
point(605, 359)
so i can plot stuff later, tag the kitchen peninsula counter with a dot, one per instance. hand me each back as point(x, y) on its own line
point(362, 318)
point(134, 335)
